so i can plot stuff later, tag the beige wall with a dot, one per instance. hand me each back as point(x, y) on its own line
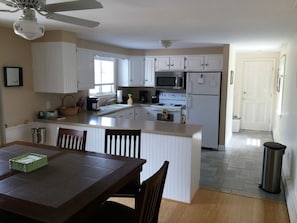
point(230, 95)
point(285, 129)
point(20, 104)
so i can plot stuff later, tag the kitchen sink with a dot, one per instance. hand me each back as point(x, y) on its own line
point(119, 105)
point(111, 108)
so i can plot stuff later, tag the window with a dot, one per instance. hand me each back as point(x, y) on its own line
point(104, 77)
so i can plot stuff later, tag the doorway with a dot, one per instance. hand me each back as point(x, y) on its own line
point(254, 92)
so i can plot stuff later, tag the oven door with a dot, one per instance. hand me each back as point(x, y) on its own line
point(163, 114)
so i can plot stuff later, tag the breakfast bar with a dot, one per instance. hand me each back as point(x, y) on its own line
point(180, 144)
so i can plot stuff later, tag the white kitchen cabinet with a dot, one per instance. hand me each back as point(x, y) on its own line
point(85, 69)
point(131, 72)
point(144, 113)
point(123, 72)
point(149, 72)
point(165, 63)
point(136, 71)
point(54, 67)
point(211, 62)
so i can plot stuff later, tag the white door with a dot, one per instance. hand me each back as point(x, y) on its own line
point(257, 87)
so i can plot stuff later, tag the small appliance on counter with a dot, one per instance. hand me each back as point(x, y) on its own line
point(92, 104)
point(155, 98)
point(143, 96)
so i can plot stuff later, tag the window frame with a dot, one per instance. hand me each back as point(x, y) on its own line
point(101, 94)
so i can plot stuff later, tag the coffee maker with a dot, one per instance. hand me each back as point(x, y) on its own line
point(92, 104)
point(143, 96)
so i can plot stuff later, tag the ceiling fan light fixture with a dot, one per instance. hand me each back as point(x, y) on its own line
point(166, 43)
point(27, 26)
point(28, 29)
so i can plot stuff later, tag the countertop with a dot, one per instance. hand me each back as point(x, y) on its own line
point(92, 119)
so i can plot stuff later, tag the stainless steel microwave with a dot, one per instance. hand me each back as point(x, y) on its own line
point(170, 80)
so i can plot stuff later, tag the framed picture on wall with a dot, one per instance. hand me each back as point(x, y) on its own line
point(13, 76)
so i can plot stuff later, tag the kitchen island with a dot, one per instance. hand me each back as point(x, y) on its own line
point(180, 144)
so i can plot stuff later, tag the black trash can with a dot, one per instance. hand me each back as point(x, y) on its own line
point(272, 165)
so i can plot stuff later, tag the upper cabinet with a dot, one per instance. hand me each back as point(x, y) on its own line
point(149, 71)
point(54, 67)
point(85, 69)
point(136, 70)
point(131, 72)
point(211, 62)
point(165, 63)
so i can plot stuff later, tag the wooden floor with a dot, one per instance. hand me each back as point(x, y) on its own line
point(211, 206)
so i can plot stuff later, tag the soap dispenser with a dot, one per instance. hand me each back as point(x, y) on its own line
point(130, 99)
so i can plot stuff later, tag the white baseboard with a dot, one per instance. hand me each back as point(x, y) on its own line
point(291, 199)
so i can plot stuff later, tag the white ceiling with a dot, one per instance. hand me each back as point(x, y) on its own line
point(141, 24)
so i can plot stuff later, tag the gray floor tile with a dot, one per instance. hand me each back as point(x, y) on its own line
point(238, 169)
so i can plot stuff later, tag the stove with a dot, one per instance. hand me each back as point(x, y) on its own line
point(169, 107)
point(171, 101)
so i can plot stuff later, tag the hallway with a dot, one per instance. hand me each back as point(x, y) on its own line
point(238, 169)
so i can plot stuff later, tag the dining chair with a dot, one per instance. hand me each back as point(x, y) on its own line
point(147, 203)
point(124, 142)
point(72, 139)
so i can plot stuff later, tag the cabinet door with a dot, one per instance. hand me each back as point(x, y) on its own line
point(194, 63)
point(162, 63)
point(213, 62)
point(136, 71)
point(143, 113)
point(165, 63)
point(149, 73)
point(54, 67)
point(123, 72)
point(177, 63)
point(85, 69)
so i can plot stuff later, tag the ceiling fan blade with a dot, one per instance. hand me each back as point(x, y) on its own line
point(73, 5)
point(72, 20)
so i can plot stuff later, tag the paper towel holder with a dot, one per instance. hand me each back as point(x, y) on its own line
point(119, 96)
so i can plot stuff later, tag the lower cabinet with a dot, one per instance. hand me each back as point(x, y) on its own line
point(143, 113)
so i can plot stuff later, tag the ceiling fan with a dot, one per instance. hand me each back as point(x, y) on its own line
point(27, 25)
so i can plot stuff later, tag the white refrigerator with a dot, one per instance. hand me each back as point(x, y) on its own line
point(203, 105)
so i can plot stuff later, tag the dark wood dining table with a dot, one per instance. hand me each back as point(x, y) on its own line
point(68, 189)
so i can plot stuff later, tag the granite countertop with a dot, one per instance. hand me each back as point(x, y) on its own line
point(92, 119)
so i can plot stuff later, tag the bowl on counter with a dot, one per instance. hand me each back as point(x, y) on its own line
point(68, 111)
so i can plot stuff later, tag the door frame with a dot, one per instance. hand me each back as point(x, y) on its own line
point(238, 82)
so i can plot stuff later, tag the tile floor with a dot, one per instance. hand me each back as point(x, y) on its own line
point(238, 169)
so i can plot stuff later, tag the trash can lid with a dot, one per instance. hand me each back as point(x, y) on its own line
point(274, 145)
